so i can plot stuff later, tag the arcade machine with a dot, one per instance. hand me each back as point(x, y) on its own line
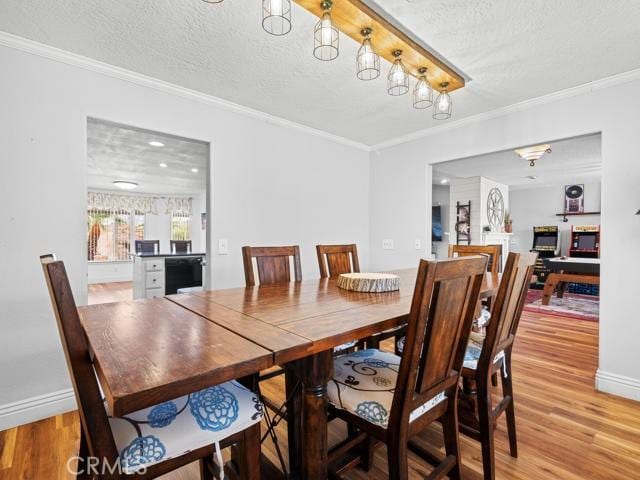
point(546, 241)
point(585, 243)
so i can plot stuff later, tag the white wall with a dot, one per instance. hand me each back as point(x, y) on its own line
point(610, 107)
point(537, 206)
point(270, 184)
point(440, 197)
point(464, 191)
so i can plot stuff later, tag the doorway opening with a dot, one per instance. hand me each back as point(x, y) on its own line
point(552, 207)
point(146, 199)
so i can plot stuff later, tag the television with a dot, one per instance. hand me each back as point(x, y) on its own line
point(436, 223)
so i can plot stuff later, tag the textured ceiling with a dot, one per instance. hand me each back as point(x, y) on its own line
point(116, 152)
point(575, 160)
point(513, 51)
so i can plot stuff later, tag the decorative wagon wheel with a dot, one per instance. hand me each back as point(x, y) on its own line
point(495, 208)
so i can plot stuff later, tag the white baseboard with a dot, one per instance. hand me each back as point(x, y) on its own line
point(36, 408)
point(618, 385)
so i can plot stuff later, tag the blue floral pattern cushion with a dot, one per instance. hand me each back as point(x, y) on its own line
point(364, 383)
point(174, 428)
point(474, 349)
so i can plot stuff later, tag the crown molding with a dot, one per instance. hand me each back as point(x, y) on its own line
point(618, 79)
point(53, 53)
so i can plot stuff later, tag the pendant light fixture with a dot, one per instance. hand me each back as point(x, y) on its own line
point(325, 35)
point(276, 16)
point(422, 92)
point(367, 60)
point(534, 153)
point(443, 105)
point(398, 78)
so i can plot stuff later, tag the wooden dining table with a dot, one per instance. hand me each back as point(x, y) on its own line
point(150, 351)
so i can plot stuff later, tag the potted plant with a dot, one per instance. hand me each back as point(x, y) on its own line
point(508, 222)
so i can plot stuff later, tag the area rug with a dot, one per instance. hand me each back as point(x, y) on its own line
point(572, 305)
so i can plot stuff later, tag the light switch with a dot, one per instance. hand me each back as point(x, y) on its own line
point(387, 244)
point(418, 244)
point(223, 246)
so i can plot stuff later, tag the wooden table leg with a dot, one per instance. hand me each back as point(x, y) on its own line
point(316, 371)
point(549, 287)
point(294, 418)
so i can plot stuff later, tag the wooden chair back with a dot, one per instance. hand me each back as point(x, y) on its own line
point(336, 259)
point(442, 312)
point(494, 252)
point(93, 417)
point(181, 246)
point(147, 246)
point(507, 306)
point(272, 263)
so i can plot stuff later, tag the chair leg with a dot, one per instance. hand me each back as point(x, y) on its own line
point(206, 468)
point(507, 390)
point(451, 437)
point(249, 461)
point(83, 457)
point(397, 455)
point(368, 453)
point(486, 430)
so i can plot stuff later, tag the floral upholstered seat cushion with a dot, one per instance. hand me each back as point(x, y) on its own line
point(173, 428)
point(364, 383)
point(474, 349)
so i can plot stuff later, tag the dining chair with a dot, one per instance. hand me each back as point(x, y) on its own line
point(487, 356)
point(392, 399)
point(180, 246)
point(147, 246)
point(156, 440)
point(272, 264)
point(335, 260)
point(493, 251)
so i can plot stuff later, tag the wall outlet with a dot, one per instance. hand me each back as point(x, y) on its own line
point(387, 244)
point(418, 244)
point(223, 246)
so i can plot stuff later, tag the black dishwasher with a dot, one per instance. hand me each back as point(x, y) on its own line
point(182, 272)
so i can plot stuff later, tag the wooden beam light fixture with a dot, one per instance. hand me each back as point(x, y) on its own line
point(369, 27)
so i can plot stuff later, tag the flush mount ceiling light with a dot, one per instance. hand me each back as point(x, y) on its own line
point(276, 17)
point(533, 154)
point(125, 185)
point(442, 107)
point(163, 165)
point(194, 170)
point(367, 60)
point(212, 1)
point(398, 78)
point(155, 143)
point(325, 35)
point(422, 92)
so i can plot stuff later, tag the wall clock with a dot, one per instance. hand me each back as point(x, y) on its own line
point(495, 208)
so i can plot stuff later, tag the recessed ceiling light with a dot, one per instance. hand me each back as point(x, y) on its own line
point(444, 180)
point(125, 185)
point(194, 170)
point(155, 143)
point(163, 165)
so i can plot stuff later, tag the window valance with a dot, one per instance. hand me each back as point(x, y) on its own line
point(179, 206)
point(111, 202)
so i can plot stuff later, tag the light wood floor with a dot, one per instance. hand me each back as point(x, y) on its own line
point(110, 292)
point(566, 430)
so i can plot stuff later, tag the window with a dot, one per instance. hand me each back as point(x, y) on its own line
point(180, 227)
point(110, 235)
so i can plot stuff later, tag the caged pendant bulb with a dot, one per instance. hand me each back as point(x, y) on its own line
point(422, 92)
point(325, 35)
point(367, 60)
point(276, 16)
point(442, 107)
point(398, 78)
